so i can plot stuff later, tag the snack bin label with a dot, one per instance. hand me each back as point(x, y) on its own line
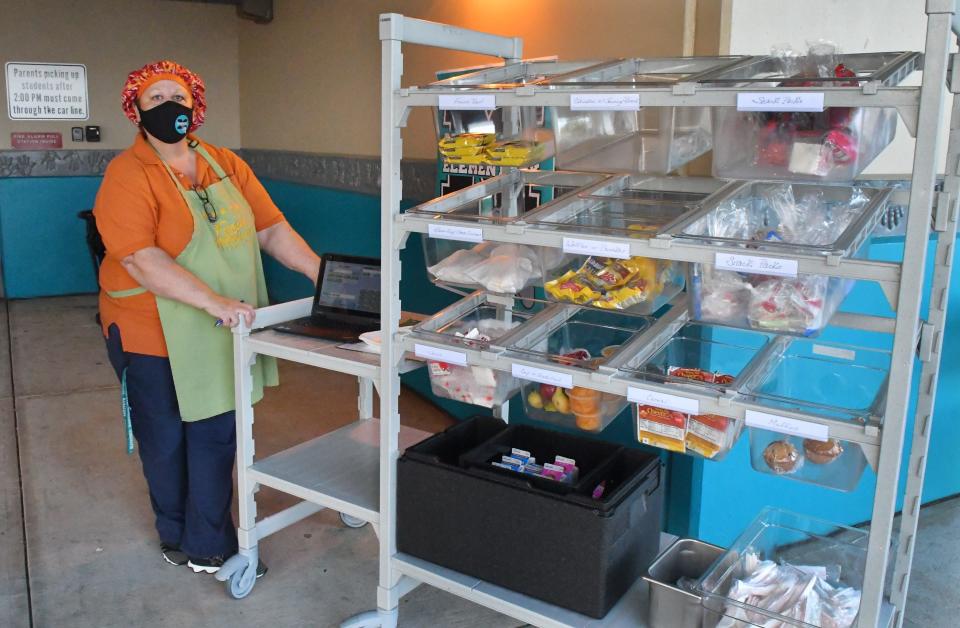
point(577, 246)
point(467, 102)
point(754, 265)
point(453, 232)
point(605, 102)
point(440, 355)
point(780, 101)
point(663, 400)
point(788, 426)
point(542, 376)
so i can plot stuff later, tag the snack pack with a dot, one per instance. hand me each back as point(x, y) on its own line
point(615, 284)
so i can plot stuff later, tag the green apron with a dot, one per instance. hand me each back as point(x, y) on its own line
point(225, 255)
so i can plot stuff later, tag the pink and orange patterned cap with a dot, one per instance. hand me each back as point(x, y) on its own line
point(139, 80)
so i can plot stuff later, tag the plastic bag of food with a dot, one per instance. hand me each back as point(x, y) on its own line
point(455, 268)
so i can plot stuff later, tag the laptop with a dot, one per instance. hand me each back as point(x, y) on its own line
point(346, 302)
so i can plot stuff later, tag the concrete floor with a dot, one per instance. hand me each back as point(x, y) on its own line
point(90, 555)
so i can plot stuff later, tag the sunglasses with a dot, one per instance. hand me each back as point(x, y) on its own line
point(208, 207)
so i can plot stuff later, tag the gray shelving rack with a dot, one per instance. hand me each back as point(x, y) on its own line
point(929, 211)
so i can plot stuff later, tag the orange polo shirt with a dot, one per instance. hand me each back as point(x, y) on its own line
point(139, 206)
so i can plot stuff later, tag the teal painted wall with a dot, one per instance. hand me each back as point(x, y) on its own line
point(43, 244)
point(44, 254)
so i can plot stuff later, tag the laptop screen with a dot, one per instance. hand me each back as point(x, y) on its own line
point(352, 286)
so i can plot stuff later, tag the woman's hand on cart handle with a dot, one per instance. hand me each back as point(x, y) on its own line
point(227, 312)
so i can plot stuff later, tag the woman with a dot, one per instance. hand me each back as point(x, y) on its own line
point(184, 223)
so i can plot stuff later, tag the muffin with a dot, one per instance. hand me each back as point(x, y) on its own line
point(782, 457)
point(822, 452)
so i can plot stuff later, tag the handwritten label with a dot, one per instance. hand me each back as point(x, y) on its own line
point(542, 376)
point(440, 355)
point(835, 352)
point(620, 250)
point(756, 265)
point(788, 426)
point(453, 232)
point(663, 400)
point(605, 102)
point(776, 101)
point(460, 102)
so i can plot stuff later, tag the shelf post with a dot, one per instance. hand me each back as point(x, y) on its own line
point(932, 90)
point(929, 372)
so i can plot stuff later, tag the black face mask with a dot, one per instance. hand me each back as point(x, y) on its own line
point(168, 122)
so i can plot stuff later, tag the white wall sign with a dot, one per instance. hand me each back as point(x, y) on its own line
point(605, 102)
point(779, 101)
point(47, 91)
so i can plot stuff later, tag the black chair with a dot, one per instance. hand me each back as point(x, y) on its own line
point(94, 244)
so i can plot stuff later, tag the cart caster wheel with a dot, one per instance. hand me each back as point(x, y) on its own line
point(239, 586)
point(240, 574)
point(352, 522)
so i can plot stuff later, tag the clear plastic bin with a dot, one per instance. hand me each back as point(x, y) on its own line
point(504, 136)
point(833, 145)
point(639, 284)
point(473, 323)
point(698, 356)
point(786, 218)
point(579, 338)
point(833, 463)
point(621, 206)
point(651, 140)
point(497, 267)
point(829, 379)
point(791, 548)
point(503, 268)
point(798, 217)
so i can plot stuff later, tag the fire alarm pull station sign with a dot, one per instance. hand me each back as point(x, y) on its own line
point(36, 141)
point(47, 91)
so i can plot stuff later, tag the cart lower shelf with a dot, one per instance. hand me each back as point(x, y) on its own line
point(339, 470)
point(630, 612)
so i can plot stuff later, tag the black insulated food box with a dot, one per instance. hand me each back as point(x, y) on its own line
point(536, 536)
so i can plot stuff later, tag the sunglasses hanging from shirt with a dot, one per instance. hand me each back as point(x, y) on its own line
point(208, 207)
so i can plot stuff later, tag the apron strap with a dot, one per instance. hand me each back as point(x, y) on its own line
point(221, 173)
point(125, 408)
point(130, 292)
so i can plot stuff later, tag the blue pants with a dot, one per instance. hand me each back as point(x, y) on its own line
point(188, 465)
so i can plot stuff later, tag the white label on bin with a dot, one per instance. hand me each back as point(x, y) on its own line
point(461, 102)
point(835, 352)
point(780, 101)
point(453, 232)
point(756, 265)
point(788, 426)
point(440, 355)
point(663, 400)
point(620, 250)
point(542, 376)
point(605, 102)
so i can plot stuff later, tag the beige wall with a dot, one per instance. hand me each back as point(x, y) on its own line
point(310, 81)
point(113, 37)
